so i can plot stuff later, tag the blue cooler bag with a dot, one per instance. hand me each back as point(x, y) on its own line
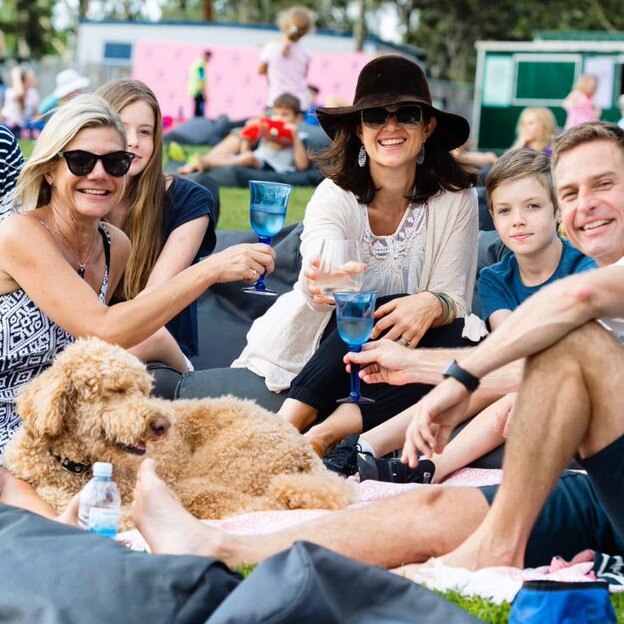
point(552, 602)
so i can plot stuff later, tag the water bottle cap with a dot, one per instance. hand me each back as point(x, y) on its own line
point(102, 469)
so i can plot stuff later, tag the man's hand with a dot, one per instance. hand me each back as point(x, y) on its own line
point(434, 418)
point(383, 361)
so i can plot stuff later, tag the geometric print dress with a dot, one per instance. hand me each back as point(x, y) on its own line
point(29, 340)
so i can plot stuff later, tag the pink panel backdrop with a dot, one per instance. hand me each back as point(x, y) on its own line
point(234, 87)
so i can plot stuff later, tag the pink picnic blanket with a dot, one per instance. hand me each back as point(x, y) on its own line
point(496, 584)
point(259, 522)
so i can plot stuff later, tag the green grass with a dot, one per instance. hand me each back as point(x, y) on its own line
point(235, 207)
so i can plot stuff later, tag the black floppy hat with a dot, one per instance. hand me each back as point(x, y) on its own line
point(390, 80)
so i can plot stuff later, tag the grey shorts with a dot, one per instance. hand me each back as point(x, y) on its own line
point(571, 520)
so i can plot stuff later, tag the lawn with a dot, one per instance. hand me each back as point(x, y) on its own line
point(235, 207)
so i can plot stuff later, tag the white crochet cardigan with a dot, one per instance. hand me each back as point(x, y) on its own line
point(281, 341)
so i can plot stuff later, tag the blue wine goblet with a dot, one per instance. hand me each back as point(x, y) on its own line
point(268, 204)
point(355, 312)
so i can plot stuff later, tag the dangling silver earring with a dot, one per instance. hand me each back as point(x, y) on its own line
point(362, 157)
point(420, 159)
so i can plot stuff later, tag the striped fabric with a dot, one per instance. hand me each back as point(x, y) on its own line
point(11, 162)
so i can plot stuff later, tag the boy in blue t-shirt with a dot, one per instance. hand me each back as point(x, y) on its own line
point(523, 205)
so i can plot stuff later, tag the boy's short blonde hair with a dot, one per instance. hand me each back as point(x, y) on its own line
point(518, 164)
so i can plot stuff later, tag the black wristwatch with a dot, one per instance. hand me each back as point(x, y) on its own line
point(454, 370)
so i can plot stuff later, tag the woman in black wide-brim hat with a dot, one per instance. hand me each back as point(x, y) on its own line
point(393, 186)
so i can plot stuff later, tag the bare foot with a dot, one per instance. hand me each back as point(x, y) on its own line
point(485, 549)
point(166, 526)
point(186, 169)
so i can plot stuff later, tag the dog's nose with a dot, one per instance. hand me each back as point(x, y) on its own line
point(160, 426)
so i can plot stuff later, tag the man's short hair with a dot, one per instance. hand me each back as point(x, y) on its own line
point(518, 164)
point(586, 133)
point(289, 101)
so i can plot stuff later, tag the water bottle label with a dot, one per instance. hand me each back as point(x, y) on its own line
point(103, 521)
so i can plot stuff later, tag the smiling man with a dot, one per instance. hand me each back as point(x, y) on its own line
point(569, 402)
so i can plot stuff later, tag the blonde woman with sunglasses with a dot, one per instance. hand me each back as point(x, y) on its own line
point(60, 263)
point(394, 187)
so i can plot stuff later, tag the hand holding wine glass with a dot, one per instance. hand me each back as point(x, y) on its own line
point(339, 268)
point(355, 313)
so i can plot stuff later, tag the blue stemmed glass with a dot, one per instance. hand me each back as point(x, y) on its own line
point(268, 203)
point(355, 312)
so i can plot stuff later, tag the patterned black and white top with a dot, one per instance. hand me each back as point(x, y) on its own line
point(29, 340)
point(11, 163)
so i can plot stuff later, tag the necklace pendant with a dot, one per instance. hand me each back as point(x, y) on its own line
point(82, 269)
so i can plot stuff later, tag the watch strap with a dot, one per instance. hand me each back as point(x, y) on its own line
point(454, 370)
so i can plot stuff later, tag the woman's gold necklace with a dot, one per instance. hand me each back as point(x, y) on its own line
point(82, 266)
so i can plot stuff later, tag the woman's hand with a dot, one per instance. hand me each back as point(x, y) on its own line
point(407, 318)
point(245, 262)
point(383, 361)
point(312, 275)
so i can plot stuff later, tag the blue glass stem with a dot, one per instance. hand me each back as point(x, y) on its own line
point(355, 395)
point(260, 285)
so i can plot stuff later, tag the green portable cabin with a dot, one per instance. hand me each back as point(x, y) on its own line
point(512, 75)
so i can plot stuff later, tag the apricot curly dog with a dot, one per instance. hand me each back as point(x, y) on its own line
point(220, 456)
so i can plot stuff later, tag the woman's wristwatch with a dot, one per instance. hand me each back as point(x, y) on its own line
point(454, 370)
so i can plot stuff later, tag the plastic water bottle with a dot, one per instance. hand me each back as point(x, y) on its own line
point(100, 502)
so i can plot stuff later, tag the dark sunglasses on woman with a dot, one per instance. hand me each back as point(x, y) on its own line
point(408, 115)
point(82, 163)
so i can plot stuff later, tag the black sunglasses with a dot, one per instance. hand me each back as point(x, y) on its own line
point(410, 115)
point(82, 163)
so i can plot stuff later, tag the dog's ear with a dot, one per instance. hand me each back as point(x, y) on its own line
point(43, 402)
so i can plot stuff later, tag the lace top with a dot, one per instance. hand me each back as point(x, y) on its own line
point(395, 261)
point(29, 340)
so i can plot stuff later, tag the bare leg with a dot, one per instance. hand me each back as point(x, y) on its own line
point(565, 403)
point(476, 439)
point(18, 493)
point(344, 421)
point(385, 533)
point(390, 435)
point(161, 347)
point(300, 415)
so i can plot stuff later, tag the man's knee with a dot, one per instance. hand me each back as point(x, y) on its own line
point(588, 343)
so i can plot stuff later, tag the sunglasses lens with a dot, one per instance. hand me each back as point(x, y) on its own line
point(80, 163)
point(408, 115)
point(374, 117)
point(404, 115)
point(117, 163)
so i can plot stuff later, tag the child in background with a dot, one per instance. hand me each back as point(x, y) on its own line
point(197, 81)
point(537, 128)
point(580, 103)
point(272, 153)
point(21, 100)
point(523, 204)
point(285, 63)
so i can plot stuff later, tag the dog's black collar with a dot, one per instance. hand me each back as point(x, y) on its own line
point(71, 466)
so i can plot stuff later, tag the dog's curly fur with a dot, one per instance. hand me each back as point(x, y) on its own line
point(220, 456)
